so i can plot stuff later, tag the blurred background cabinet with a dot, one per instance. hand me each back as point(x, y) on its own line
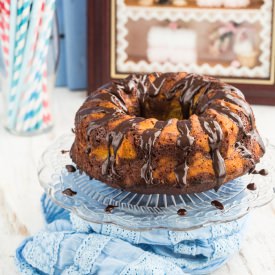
point(233, 40)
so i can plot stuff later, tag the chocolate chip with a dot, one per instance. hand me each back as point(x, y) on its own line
point(181, 212)
point(70, 168)
point(109, 208)
point(217, 204)
point(69, 192)
point(263, 172)
point(251, 186)
point(65, 151)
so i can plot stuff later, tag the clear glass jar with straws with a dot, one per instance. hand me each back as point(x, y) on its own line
point(29, 50)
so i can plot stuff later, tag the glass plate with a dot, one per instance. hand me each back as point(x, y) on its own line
point(145, 212)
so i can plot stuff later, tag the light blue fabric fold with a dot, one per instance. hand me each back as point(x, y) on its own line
point(70, 245)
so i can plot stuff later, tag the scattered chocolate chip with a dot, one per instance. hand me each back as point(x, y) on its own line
point(88, 150)
point(263, 172)
point(109, 208)
point(251, 186)
point(65, 151)
point(73, 130)
point(70, 168)
point(217, 204)
point(69, 192)
point(181, 212)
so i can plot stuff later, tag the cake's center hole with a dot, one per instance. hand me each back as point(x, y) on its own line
point(162, 110)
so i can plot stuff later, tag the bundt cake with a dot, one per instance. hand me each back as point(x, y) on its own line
point(171, 133)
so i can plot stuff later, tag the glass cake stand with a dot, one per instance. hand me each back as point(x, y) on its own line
point(97, 202)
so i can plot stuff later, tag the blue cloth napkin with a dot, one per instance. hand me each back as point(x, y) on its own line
point(71, 245)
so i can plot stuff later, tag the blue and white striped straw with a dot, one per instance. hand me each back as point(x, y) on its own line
point(27, 55)
point(31, 116)
point(22, 20)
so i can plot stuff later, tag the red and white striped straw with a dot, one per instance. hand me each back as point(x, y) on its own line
point(5, 30)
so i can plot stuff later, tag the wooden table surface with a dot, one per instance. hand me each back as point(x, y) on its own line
point(20, 214)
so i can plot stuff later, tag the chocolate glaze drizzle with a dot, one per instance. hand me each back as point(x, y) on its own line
point(155, 87)
point(188, 86)
point(215, 136)
point(185, 142)
point(148, 139)
point(114, 140)
point(210, 91)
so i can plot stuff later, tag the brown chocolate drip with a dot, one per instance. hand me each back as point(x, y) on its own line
point(70, 168)
point(148, 139)
point(254, 134)
point(65, 151)
point(129, 84)
point(114, 140)
point(110, 97)
point(118, 94)
point(226, 111)
point(217, 204)
point(251, 186)
point(69, 192)
point(185, 142)
point(88, 111)
point(215, 136)
point(223, 94)
point(110, 208)
point(188, 86)
point(73, 130)
point(244, 151)
point(182, 212)
point(143, 84)
point(262, 172)
point(156, 86)
point(109, 114)
point(246, 154)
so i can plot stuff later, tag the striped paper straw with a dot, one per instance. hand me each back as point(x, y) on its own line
point(37, 99)
point(46, 115)
point(26, 98)
point(35, 17)
point(13, 16)
point(4, 29)
point(22, 20)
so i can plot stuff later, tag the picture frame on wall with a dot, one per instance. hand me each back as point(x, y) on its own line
point(233, 43)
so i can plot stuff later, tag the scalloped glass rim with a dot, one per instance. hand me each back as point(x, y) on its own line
point(146, 212)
